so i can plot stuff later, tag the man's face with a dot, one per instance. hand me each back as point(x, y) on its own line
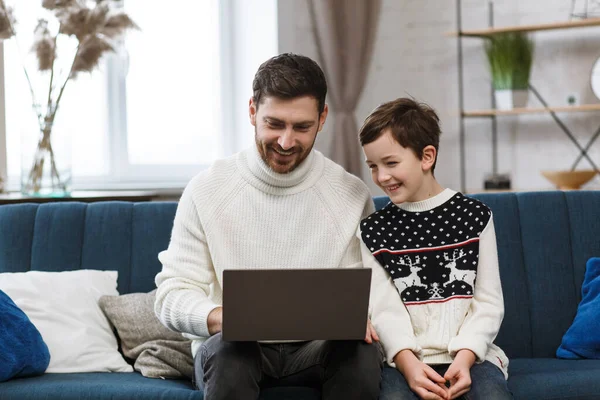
point(285, 130)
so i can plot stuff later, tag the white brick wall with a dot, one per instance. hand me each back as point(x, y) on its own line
point(414, 57)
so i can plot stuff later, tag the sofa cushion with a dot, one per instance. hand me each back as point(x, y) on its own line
point(122, 386)
point(65, 236)
point(22, 349)
point(582, 340)
point(157, 352)
point(64, 308)
point(551, 378)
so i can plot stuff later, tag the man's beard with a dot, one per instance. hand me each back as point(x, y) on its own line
point(264, 149)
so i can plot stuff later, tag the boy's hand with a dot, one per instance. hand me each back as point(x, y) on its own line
point(421, 378)
point(459, 373)
point(371, 333)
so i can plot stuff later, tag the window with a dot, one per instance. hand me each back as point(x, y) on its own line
point(173, 86)
point(163, 107)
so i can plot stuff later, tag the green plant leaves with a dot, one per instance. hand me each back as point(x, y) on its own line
point(510, 56)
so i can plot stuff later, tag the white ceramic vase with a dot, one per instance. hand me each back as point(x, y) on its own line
point(508, 99)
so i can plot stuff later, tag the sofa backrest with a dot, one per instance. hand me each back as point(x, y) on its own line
point(65, 236)
point(544, 241)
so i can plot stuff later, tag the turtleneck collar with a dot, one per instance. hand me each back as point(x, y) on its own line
point(428, 204)
point(261, 176)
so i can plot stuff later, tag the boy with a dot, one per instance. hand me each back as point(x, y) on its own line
point(439, 249)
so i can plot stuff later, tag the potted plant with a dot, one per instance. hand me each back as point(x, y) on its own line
point(510, 56)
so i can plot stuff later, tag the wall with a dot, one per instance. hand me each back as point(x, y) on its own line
point(253, 40)
point(413, 56)
point(2, 123)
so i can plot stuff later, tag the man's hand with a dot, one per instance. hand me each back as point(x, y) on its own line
point(459, 373)
point(215, 321)
point(371, 333)
point(421, 378)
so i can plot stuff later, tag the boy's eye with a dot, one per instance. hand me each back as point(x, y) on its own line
point(391, 163)
point(372, 166)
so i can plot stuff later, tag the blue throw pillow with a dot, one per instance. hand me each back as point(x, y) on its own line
point(582, 340)
point(22, 349)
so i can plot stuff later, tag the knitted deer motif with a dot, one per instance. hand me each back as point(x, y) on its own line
point(413, 279)
point(456, 274)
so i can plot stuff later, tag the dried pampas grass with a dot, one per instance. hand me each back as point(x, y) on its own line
point(44, 46)
point(7, 21)
point(57, 4)
point(89, 54)
point(93, 27)
point(73, 21)
point(116, 24)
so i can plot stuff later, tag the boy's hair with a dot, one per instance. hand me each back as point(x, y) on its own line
point(412, 124)
point(287, 76)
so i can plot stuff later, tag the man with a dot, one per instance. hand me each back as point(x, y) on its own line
point(279, 204)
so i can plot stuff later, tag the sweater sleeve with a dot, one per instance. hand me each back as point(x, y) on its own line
point(182, 302)
point(389, 315)
point(482, 322)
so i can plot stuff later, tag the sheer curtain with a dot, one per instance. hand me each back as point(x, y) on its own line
point(344, 31)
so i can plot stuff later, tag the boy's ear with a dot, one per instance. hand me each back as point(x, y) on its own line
point(428, 159)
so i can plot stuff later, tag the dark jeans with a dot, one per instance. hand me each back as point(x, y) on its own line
point(238, 370)
point(487, 383)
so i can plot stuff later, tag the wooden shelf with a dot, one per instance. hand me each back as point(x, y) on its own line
point(547, 189)
point(83, 196)
point(529, 28)
point(480, 191)
point(516, 111)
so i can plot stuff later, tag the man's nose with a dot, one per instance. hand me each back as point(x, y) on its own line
point(286, 140)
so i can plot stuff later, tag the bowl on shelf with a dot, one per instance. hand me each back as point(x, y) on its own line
point(569, 180)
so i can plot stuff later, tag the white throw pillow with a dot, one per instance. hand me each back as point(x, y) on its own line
point(64, 308)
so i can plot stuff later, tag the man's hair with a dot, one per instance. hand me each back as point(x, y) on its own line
point(412, 124)
point(288, 76)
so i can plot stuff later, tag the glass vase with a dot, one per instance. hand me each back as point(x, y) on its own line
point(46, 162)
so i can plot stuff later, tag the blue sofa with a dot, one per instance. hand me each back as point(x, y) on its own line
point(544, 241)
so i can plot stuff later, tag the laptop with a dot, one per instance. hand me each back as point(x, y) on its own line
point(295, 304)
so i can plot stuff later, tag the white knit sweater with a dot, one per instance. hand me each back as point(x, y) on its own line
point(240, 214)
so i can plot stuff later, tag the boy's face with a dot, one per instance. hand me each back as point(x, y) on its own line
point(397, 170)
point(285, 130)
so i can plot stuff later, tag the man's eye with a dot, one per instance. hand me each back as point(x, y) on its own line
point(273, 125)
point(302, 128)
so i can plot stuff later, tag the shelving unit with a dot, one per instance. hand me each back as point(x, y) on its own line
point(516, 111)
point(528, 28)
point(493, 113)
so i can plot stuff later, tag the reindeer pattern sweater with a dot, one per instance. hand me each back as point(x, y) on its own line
point(441, 255)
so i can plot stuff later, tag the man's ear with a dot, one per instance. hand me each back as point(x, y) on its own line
point(428, 159)
point(323, 118)
point(252, 109)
